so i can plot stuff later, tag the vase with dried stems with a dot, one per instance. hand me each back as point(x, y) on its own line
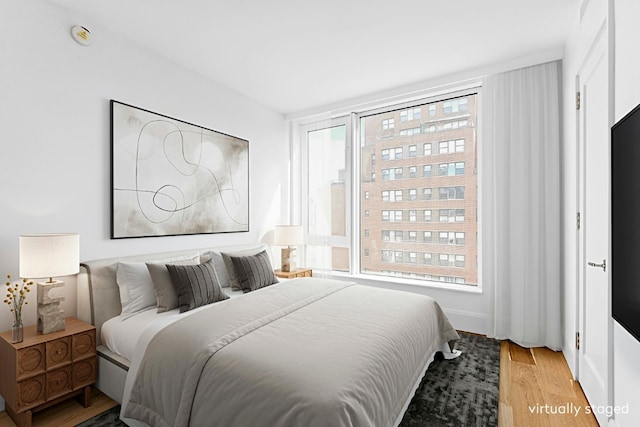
point(16, 298)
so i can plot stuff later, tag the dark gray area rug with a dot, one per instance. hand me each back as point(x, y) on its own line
point(457, 392)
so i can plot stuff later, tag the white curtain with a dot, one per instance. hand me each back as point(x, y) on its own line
point(521, 204)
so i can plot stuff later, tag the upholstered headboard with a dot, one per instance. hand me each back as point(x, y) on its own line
point(98, 298)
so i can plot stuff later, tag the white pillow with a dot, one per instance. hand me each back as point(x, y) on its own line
point(136, 287)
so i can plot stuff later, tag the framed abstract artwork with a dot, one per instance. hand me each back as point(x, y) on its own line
point(170, 177)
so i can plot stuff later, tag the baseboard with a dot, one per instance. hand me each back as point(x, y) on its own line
point(468, 321)
point(570, 356)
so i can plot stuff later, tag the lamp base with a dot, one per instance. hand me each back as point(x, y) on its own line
point(288, 259)
point(50, 315)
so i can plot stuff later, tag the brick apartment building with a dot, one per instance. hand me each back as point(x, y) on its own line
point(419, 192)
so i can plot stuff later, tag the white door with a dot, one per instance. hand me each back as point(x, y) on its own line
point(593, 239)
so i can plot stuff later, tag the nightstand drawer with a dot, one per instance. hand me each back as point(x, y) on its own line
point(58, 382)
point(31, 361)
point(83, 345)
point(31, 392)
point(83, 373)
point(58, 352)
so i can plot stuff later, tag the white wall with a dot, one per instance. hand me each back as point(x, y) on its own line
point(626, 372)
point(55, 146)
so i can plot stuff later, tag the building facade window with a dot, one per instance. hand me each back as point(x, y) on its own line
point(410, 114)
point(388, 124)
point(410, 132)
point(451, 193)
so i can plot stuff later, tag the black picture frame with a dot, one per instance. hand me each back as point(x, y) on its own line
point(170, 177)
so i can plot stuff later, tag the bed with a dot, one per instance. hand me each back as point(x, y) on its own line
point(306, 351)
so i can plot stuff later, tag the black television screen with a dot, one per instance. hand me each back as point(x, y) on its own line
point(625, 222)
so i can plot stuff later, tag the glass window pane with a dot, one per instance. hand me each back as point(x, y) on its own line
point(438, 192)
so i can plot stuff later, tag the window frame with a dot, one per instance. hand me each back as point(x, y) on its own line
point(353, 166)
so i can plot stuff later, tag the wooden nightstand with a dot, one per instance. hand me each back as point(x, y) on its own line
point(300, 272)
point(46, 369)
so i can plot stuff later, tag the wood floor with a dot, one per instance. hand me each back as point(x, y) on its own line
point(536, 389)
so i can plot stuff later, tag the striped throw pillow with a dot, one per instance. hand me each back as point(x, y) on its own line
point(254, 272)
point(196, 285)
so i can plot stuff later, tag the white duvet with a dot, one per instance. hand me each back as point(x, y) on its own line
point(309, 352)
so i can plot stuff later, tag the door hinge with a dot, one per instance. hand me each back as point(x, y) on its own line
point(577, 100)
point(578, 220)
point(577, 340)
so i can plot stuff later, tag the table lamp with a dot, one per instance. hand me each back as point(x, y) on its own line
point(49, 255)
point(288, 235)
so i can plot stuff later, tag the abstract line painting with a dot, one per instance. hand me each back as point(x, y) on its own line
point(170, 177)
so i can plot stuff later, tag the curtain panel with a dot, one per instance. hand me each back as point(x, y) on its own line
point(521, 246)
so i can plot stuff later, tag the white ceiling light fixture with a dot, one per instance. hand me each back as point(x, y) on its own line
point(82, 35)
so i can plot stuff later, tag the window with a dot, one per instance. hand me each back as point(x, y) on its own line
point(453, 146)
point(428, 258)
point(451, 215)
point(327, 199)
point(451, 260)
point(454, 105)
point(451, 193)
point(410, 114)
point(450, 169)
point(392, 196)
point(451, 238)
point(422, 221)
point(410, 132)
point(426, 193)
point(391, 174)
point(452, 125)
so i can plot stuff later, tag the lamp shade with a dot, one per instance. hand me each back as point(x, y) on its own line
point(49, 255)
point(288, 235)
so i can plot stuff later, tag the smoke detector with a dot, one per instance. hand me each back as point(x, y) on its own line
point(81, 35)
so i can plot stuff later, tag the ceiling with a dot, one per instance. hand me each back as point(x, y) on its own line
point(296, 55)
